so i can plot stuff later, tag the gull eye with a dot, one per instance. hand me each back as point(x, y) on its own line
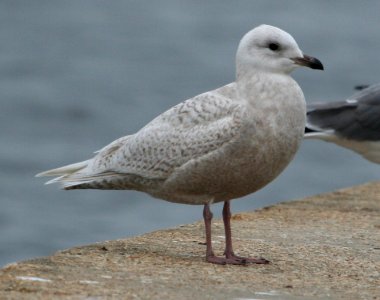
point(273, 46)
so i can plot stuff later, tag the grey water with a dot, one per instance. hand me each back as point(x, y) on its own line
point(75, 75)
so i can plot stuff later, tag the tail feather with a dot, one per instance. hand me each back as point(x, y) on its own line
point(75, 175)
point(78, 180)
point(65, 170)
point(67, 175)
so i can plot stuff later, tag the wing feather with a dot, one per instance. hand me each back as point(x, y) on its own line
point(187, 131)
point(357, 118)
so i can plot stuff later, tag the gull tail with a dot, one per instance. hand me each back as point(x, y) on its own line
point(67, 175)
point(313, 131)
point(77, 176)
point(66, 170)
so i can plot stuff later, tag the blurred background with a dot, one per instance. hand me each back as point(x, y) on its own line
point(75, 75)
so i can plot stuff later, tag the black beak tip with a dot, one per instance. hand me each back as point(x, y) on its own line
point(316, 64)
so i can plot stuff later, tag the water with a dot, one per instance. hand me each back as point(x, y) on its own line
point(75, 75)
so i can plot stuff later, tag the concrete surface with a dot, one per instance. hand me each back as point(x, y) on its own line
point(322, 247)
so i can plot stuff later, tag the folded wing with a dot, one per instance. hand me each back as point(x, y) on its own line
point(188, 131)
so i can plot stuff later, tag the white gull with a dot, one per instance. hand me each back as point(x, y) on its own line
point(217, 146)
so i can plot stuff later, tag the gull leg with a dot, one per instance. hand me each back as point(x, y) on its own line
point(210, 256)
point(228, 252)
point(207, 217)
point(231, 258)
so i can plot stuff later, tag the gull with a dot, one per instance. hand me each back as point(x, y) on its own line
point(353, 123)
point(217, 146)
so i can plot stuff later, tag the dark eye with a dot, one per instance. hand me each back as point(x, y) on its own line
point(274, 46)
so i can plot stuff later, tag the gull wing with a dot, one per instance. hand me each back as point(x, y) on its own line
point(188, 131)
point(357, 118)
point(185, 132)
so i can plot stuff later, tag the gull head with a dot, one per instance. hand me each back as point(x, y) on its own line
point(269, 49)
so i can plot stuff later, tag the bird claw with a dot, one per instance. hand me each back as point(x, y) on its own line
point(235, 260)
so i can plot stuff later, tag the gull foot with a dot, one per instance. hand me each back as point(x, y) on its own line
point(235, 260)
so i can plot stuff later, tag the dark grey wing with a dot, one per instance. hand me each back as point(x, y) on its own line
point(357, 118)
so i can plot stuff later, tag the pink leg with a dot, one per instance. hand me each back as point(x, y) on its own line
point(207, 217)
point(230, 257)
point(228, 252)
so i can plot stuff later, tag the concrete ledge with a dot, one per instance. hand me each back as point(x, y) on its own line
point(322, 247)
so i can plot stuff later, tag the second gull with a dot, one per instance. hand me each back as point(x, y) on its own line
point(353, 123)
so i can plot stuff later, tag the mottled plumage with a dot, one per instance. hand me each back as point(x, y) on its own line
point(217, 146)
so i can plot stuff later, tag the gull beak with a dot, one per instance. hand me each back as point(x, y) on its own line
point(308, 61)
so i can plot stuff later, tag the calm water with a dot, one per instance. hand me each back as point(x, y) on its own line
point(75, 75)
